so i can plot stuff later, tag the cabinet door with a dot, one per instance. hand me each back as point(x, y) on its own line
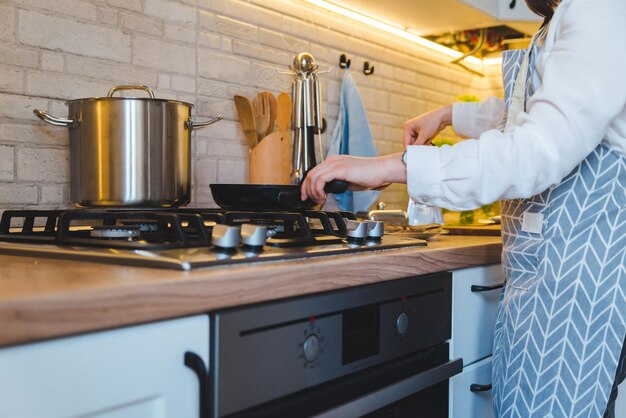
point(467, 401)
point(516, 10)
point(132, 372)
point(475, 295)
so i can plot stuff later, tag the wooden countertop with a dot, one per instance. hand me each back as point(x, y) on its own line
point(45, 298)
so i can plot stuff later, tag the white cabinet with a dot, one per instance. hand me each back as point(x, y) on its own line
point(505, 10)
point(475, 295)
point(132, 372)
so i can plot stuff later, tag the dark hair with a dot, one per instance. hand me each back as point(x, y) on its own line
point(544, 8)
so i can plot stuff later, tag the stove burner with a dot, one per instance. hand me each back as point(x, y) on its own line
point(127, 232)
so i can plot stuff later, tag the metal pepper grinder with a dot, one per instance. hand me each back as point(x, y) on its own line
point(307, 120)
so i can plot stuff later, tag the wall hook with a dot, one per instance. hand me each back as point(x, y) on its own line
point(367, 70)
point(344, 62)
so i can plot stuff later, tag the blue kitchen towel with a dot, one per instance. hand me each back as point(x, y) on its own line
point(353, 136)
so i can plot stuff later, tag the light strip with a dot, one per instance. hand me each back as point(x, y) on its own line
point(401, 33)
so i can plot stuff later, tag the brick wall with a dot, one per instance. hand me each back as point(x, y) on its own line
point(204, 52)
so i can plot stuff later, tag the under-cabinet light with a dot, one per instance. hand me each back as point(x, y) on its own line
point(350, 14)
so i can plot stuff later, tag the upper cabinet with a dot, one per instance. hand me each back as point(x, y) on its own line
point(505, 10)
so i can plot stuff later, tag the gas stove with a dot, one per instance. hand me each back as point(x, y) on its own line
point(189, 238)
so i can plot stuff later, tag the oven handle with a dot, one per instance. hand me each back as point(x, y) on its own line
point(392, 393)
point(195, 363)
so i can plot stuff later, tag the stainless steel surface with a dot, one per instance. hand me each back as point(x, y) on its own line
point(357, 229)
point(226, 236)
point(129, 151)
point(375, 229)
point(389, 216)
point(253, 235)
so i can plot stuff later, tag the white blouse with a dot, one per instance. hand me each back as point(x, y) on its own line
point(581, 103)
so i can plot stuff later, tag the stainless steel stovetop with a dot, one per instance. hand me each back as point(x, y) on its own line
point(189, 238)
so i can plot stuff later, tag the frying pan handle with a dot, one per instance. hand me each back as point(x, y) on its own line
point(336, 187)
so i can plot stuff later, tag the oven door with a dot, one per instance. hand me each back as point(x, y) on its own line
point(415, 385)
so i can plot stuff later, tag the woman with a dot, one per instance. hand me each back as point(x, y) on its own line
point(558, 160)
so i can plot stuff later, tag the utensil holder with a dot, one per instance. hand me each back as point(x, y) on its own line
point(270, 160)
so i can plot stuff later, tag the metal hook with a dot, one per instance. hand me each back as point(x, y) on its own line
point(367, 70)
point(344, 62)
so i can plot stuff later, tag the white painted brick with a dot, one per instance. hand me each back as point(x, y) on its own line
point(52, 32)
point(209, 40)
point(244, 12)
point(170, 10)
point(232, 171)
point(140, 23)
point(181, 33)
point(258, 51)
point(213, 107)
point(402, 105)
point(224, 129)
point(7, 23)
point(212, 88)
point(117, 73)
point(394, 134)
point(164, 55)
point(52, 61)
point(206, 20)
point(136, 5)
point(75, 8)
point(281, 41)
point(268, 77)
point(107, 16)
point(42, 164)
point(7, 163)
point(225, 68)
point(63, 86)
point(35, 133)
point(206, 171)
point(227, 45)
point(164, 81)
point(52, 194)
point(20, 194)
point(14, 106)
point(235, 28)
point(203, 198)
point(19, 56)
point(183, 83)
point(232, 149)
point(11, 81)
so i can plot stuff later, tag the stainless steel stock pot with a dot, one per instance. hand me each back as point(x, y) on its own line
point(127, 151)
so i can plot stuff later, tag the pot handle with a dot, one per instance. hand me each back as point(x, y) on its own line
point(199, 125)
point(131, 87)
point(53, 120)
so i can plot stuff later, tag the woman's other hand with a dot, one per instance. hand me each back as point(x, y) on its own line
point(422, 129)
point(362, 173)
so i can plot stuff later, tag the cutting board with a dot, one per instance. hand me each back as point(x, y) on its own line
point(270, 160)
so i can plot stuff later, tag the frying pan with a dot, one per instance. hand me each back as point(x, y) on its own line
point(267, 196)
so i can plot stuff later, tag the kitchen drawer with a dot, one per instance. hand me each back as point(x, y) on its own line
point(464, 402)
point(474, 312)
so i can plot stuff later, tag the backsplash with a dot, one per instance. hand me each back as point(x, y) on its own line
point(203, 52)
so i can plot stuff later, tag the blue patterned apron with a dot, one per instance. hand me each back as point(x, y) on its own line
point(562, 316)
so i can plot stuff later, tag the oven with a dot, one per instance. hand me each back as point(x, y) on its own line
point(376, 351)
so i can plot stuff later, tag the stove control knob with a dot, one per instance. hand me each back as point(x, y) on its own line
point(375, 229)
point(402, 323)
point(356, 229)
point(225, 236)
point(311, 348)
point(253, 235)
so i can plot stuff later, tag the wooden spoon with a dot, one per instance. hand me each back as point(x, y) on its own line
point(269, 103)
point(283, 112)
point(261, 116)
point(246, 119)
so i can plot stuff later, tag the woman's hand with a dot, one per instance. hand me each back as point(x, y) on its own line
point(422, 129)
point(362, 173)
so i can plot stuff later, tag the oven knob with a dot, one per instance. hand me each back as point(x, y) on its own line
point(225, 236)
point(311, 348)
point(356, 229)
point(253, 235)
point(375, 229)
point(402, 323)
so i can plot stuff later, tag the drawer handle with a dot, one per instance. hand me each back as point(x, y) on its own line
point(475, 387)
point(477, 288)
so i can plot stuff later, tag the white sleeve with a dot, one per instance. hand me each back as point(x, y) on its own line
point(471, 119)
point(583, 90)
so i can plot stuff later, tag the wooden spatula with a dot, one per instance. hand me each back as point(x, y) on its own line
point(269, 104)
point(283, 112)
point(246, 119)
